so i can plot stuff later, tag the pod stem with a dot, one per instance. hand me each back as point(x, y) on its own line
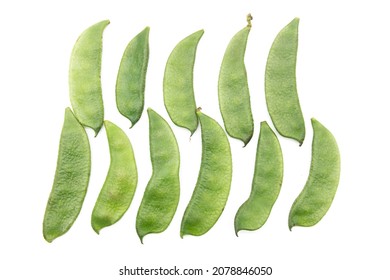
point(249, 20)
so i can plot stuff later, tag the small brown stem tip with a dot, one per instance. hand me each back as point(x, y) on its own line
point(249, 20)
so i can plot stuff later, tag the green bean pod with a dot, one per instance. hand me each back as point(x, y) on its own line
point(213, 185)
point(85, 88)
point(130, 83)
point(162, 193)
point(178, 86)
point(280, 84)
point(316, 197)
point(70, 181)
point(233, 90)
point(267, 181)
point(119, 187)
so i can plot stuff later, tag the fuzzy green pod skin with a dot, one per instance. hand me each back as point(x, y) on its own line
point(70, 181)
point(267, 181)
point(233, 90)
point(130, 83)
point(280, 84)
point(85, 90)
point(119, 187)
point(316, 197)
point(178, 87)
point(213, 185)
point(162, 193)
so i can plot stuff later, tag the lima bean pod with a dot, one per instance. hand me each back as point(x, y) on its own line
point(178, 86)
point(267, 181)
point(233, 90)
point(130, 83)
point(280, 84)
point(162, 193)
point(213, 185)
point(70, 181)
point(119, 187)
point(316, 197)
point(85, 89)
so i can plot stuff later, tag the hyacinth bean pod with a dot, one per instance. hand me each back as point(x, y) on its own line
point(213, 185)
point(317, 196)
point(178, 86)
point(121, 181)
point(70, 181)
point(162, 193)
point(267, 181)
point(233, 90)
point(85, 90)
point(130, 83)
point(280, 84)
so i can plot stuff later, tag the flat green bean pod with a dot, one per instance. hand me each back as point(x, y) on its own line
point(321, 186)
point(70, 181)
point(119, 187)
point(267, 181)
point(85, 89)
point(233, 90)
point(162, 193)
point(213, 185)
point(178, 87)
point(130, 83)
point(280, 84)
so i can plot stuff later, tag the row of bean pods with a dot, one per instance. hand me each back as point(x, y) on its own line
point(161, 196)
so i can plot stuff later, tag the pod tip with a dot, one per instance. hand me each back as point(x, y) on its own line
point(246, 142)
point(49, 240)
point(97, 230)
point(97, 130)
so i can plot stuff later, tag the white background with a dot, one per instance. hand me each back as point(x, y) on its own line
point(343, 81)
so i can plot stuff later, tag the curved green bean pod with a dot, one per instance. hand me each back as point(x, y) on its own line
point(178, 87)
point(85, 89)
point(130, 83)
point(119, 187)
point(267, 181)
point(321, 186)
point(162, 193)
point(70, 181)
point(233, 91)
point(213, 185)
point(280, 84)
